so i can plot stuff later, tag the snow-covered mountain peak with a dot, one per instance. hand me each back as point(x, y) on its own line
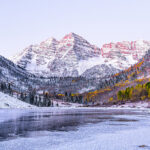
point(71, 36)
point(49, 41)
point(49, 44)
point(57, 58)
point(73, 55)
point(74, 38)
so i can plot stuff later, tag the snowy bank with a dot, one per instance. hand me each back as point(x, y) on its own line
point(7, 101)
point(140, 104)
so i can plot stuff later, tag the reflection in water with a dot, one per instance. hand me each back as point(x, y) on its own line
point(60, 120)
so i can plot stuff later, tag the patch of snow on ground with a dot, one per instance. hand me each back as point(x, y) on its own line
point(7, 101)
point(86, 89)
point(87, 64)
point(141, 104)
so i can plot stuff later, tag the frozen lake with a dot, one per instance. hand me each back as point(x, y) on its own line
point(74, 129)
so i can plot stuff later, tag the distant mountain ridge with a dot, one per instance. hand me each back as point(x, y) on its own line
point(128, 51)
point(74, 56)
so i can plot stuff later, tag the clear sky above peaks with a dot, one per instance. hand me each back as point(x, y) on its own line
point(25, 22)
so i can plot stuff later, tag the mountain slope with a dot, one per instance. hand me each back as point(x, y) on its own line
point(10, 71)
point(131, 82)
point(100, 71)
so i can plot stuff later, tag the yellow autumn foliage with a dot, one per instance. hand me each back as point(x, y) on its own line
point(111, 99)
point(61, 95)
point(75, 94)
point(143, 97)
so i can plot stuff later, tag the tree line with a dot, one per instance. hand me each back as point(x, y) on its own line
point(138, 92)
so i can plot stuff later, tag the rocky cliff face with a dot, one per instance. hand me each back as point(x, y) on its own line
point(74, 56)
point(124, 54)
point(57, 58)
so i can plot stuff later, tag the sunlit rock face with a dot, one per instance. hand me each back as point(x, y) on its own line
point(124, 54)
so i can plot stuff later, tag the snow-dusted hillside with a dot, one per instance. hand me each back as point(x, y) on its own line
point(18, 77)
point(99, 71)
point(22, 81)
point(8, 69)
point(74, 56)
point(7, 101)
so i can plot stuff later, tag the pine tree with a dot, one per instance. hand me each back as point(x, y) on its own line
point(120, 96)
point(149, 93)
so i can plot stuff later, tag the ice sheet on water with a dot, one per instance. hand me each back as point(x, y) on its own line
point(107, 135)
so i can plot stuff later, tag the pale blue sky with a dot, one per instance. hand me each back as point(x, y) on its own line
point(25, 22)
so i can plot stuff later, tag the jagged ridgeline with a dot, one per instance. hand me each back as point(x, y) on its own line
point(74, 56)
